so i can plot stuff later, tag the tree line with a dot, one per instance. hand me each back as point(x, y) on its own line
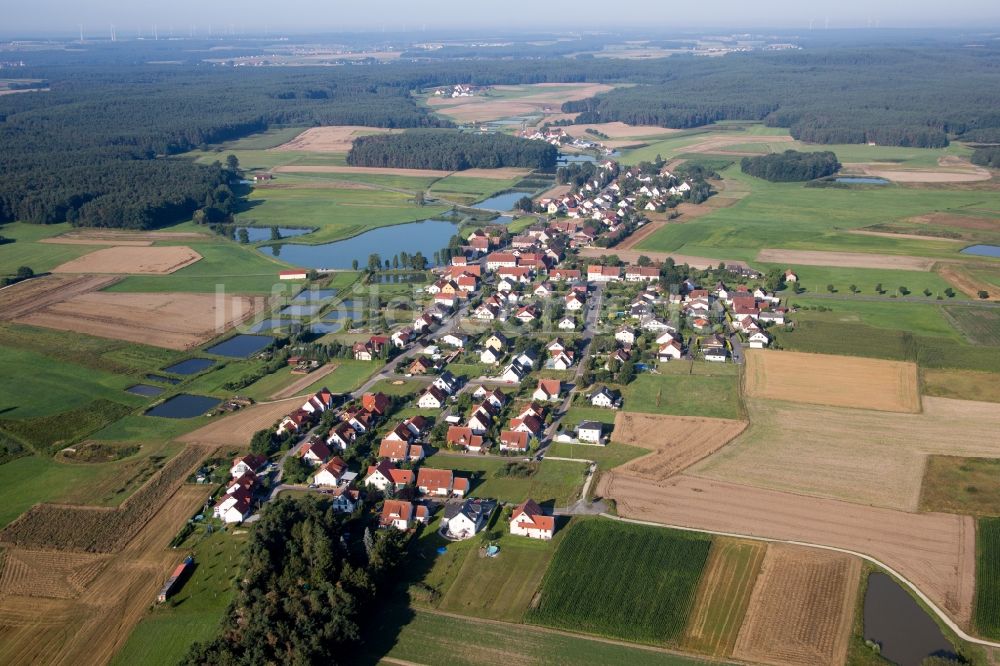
point(987, 156)
point(450, 150)
point(791, 166)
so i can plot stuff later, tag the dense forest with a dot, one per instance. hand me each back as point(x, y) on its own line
point(987, 156)
point(791, 166)
point(452, 150)
point(303, 595)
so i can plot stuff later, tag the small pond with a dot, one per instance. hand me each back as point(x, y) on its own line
point(241, 346)
point(183, 406)
point(191, 366)
point(503, 219)
point(983, 250)
point(267, 325)
point(501, 202)
point(145, 390)
point(903, 630)
point(300, 310)
point(162, 379)
point(314, 295)
point(426, 237)
point(324, 327)
point(861, 180)
point(569, 159)
point(258, 234)
point(400, 278)
point(348, 308)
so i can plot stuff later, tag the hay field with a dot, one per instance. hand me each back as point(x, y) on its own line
point(677, 442)
point(723, 596)
point(236, 429)
point(51, 574)
point(510, 101)
point(844, 259)
point(934, 550)
point(132, 260)
point(720, 143)
point(331, 139)
point(863, 456)
point(802, 608)
point(952, 169)
point(30, 296)
point(823, 379)
point(171, 320)
point(95, 236)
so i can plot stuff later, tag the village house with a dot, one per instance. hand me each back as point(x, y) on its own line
point(567, 324)
point(758, 340)
point(454, 340)
point(402, 337)
point(398, 452)
point(605, 397)
point(420, 366)
point(530, 521)
point(341, 436)
point(560, 360)
point(315, 451)
point(385, 475)
point(402, 514)
point(790, 276)
point(597, 273)
point(344, 499)
point(465, 520)
point(432, 398)
point(249, 463)
point(332, 473)
point(464, 438)
point(625, 335)
point(670, 351)
point(235, 507)
point(574, 302)
point(511, 440)
point(482, 418)
point(590, 431)
point(441, 482)
point(446, 382)
point(642, 274)
point(294, 422)
point(548, 390)
point(320, 402)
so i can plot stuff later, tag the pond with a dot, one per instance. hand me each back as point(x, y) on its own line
point(426, 237)
point(162, 379)
point(400, 278)
point(268, 325)
point(300, 310)
point(241, 346)
point(258, 234)
point(347, 308)
point(904, 631)
point(191, 366)
point(861, 180)
point(145, 390)
point(501, 202)
point(313, 295)
point(183, 406)
point(983, 250)
point(324, 327)
point(568, 159)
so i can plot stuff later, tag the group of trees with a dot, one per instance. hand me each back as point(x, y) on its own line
point(791, 166)
point(987, 156)
point(303, 595)
point(451, 150)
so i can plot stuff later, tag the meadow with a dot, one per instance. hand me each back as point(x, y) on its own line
point(623, 581)
point(987, 609)
point(953, 484)
point(554, 481)
point(960, 384)
point(816, 279)
point(687, 389)
point(916, 318)
point(25, 250)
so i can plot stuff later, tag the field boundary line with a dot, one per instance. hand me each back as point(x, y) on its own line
point(923, 597)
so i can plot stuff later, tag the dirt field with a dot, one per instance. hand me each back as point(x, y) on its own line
point(935, 551)
point(844, 259)
point(801, 609)
point(304, 382)
point(91, 628)
point(43, 573)
point(330, 139)
point(171, 320)
point(677, 441)
point(823, 379)
point(30, 296)
point(965, 283)
point(545, 98)
point(132, 260)
point(875, 458)
point(953, 170)
point(236, 429)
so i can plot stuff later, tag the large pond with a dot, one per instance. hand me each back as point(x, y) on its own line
point(501, 202)
point(861, 180)
point(983, 250)
point(426, 237)
point(258, 234)
point(904, 631)
point(183, 406)
point(241, 346)
point(192, 366)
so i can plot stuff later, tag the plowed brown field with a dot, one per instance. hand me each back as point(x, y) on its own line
point(171, 320)
point(132, 260)
point(935, 551)
point(677, 441)
point(844, 259)
point(801, 609)
point(236, 429)
point(32, 295)
point(823, 379)
point(331, 139)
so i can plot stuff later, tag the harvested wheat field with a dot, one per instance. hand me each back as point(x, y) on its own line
point(30, 296)
point(45, 573)
point(936, 551)
point(237, 429)
point(801, 609)
point(331, 139)
point(855, 455)
point(720, 144)
point(171, 320)
point(952, 169)
point(619, 130)
point(844, 259)
point(304, 382)
point(132, 260)
point(841, 381)
point(93, 627)
point(545, 98)
point(677, 441)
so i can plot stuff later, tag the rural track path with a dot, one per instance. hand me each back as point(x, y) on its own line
point(916, 590)
point(902, 299)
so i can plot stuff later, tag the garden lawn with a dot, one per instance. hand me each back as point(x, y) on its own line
point(555, 481)
point(624, 581)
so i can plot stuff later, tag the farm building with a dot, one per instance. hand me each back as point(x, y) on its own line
point(293, 275)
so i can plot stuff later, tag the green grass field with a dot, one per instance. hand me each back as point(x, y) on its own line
point(465, 189)
point(987, 610)
point(416, 636)
point(27, 251)
point(263, 159)
point(687, 389)
point(917, 318)
point(166, 634)
point(607, 457)
point(554, 481)
point(410, 183)
point(272, 138)
point(815, 279)
point(625, 581)
point(500, 588)
point(961, 485)
point(791, 216)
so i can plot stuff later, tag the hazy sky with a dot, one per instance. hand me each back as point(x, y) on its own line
point(181, 16)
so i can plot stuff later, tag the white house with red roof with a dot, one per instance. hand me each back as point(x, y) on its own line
point(530, 521)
